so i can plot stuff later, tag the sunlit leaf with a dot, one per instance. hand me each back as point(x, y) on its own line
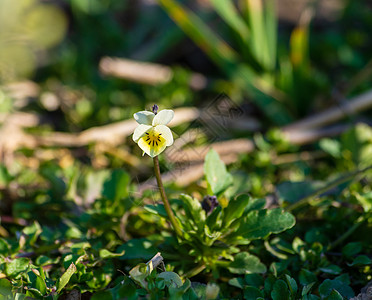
point(65, 278)
point(216, 174)
point(259, 224)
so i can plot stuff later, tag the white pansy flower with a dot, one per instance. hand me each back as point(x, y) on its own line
point(152, 135)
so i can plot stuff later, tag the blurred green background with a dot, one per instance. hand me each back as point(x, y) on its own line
point(286, 60)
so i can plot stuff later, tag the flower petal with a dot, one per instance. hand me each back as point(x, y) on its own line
point(163, 117)
point(140, 131)
point(166, 133)
point(150, 148)
point(144, 117)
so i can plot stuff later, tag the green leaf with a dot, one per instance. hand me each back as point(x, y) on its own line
point(357, 141)
point(331, 146)
point(259, 224)
point(104, 253)
point(43, 260)
point(310, 297)
point(157, 209)
point(32, 231)
point(280, 291)
point(170, 279)
point(179, 292)
point(139, 274)
point(16, 266)
point(252, 293)
point(138, 248)
point(328, 285)
point(216, 174)
point(365, 200)
point(235, 209)
point(19, 296)
point(331, 269)
point(361, 260)
point(307, 277)
point(237, 282)
point(307, 288)
point(199, 290)
point(4, 246)
point(5, 177)
point(5, 287)
point(292, 285)
point(116, 186)
point(40, 285)
point(293, 191)
point(103, 295)
point(253, 279)
point(127, 290)
point(214, 220)
point(255, 204)
point(65, 278)
point(245, 263)
point(345, 278)
point(334, 295)
point(193, 208)
point(269, 283)
point(37, 282)
point(53, 174)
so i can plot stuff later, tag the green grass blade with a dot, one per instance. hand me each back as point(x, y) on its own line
point(230, 15)
point(219, 51)
point(299, 47)
point(225, 57)
point(271, 28)
point(258, 35)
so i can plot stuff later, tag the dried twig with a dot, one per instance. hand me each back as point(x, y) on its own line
point(154, 262)
point(21, 92)
point(114, 134)
point(149, 73)
point(299, 133)
point(12, 136)
point(145, 72)
point(238, 146)
point(293, 157)
point(329, 116)
point(222, 148)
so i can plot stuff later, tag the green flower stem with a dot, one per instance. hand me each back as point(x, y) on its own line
point(167, 207)
point(194, 272)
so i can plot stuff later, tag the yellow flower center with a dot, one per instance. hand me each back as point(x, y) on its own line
point(153, 139)
point(152, 143)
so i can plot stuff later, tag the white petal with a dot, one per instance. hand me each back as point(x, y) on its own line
point(144, 117)
point(166, 133)
point(140, 131)
point(163, 117)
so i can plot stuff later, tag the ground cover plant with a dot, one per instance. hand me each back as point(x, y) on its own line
point(236, 163)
